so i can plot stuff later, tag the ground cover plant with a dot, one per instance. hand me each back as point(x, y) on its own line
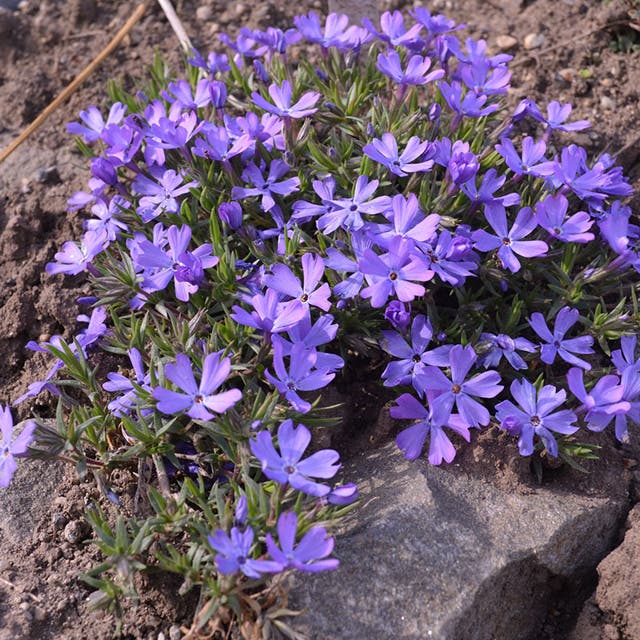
point(259, 223)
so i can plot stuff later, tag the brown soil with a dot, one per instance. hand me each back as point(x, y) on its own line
point(43, 45)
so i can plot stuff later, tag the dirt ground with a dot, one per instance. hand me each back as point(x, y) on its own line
point(587, 54)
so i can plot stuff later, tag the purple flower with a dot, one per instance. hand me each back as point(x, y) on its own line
point(343, 495)
point(447, 259)
point(385, 151)
point(346, 212)
point(95, 123)
point(626, 356)
point(197, 400)
point(126, 402)
point(302, 375)
point(393, 32)
point(415, 73)
point(10, 450)
point(413, 358)
point(106, 217)
point(312, 548)
point(308, 293)
point(218, 144)
point(411, 440)
point(336, 33)
point(161, 265)
point(550, 214)
point(234, 554)
point(322, 332)
point(630, 381)
point(74, 258)
point(509, 242)
point(491, 182)
point(434, 24)
point(530, 162)
point(534, 416)
point(463, 164)
point(603, 401)
point(555, 342)
point(269, 314)
point(483, 78)
point(592, 185)
point(556, 116)
point(287, 467)
point(391, 274)
point(180, 92)
point(266, 187)
point(281, 97)
point(215, 62)
point(398, 315)
point(161, 196)
point(458, 391)
point(501, 345)
point(471, 105)
point(407, 221)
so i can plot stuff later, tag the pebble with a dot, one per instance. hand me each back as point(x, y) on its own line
point(75, 532)
point(204, 13)
point(174, 632)
point(607, 103)
point(48, 175)
point(506, 42)
point(533, 41)
point(240, 9)
point(59, 521)
point(567, 74)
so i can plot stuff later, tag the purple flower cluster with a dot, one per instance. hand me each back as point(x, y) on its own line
point(254, 226)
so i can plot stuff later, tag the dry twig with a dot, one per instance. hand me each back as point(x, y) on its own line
point(78, 80)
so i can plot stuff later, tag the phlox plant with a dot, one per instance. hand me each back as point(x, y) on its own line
point(304, 192)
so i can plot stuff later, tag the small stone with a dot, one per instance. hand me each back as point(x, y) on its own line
point(607, 103)
point(204, 13)
point(566, 75)
point(506, 42)
point(75, 532)
point(240, 9)
point(174, 632)
point(48, 175)
point(39, 613)
point(533, 41)
point(59, 521)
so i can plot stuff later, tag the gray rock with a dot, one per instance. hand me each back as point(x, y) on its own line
point(435, 553)
point(27, 499)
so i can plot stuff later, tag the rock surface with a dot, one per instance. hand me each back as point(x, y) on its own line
point(618, 594)
point(433, 550)
point(25, 501)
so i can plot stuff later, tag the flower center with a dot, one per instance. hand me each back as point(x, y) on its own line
point(417, 358)
point(506, 242)
point(198, 399)
point(353, 207)
point(535, 421)
point(557, 230)
point(393, 276)
point(456, 388)
point(304, 297)
point(289, 469)
point(291, 386)
point(241, 560)
point(5, 452)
